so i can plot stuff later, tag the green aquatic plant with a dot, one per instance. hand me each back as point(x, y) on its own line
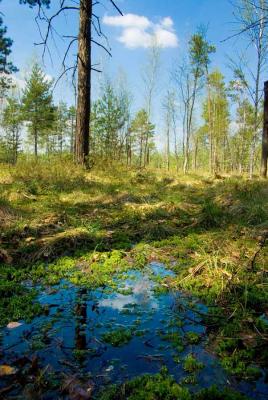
point(213, 393)
point(117, 337)
point(150, 387)
point(175, 339)
point(193, 337)
point(191, 364)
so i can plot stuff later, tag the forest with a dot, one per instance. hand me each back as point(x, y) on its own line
point(133, 199)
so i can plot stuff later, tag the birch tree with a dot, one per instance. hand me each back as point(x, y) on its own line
point(252, 17)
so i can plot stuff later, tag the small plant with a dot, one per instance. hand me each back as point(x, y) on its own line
point(175, 339)
point(160, 386)
point(191, 364)
point(193, 337)
point(118, 337)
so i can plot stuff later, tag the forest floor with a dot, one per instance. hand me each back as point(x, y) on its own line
point(62, 227)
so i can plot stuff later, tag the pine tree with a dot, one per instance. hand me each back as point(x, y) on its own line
point(6, 66)
point(216, 115)
point(12, 123)
point(37, 106)
point(61, 123)
point(142, 129)
point(109, 116)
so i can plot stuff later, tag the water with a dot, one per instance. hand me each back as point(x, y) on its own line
point(69, 340)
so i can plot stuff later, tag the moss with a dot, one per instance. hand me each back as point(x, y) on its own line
point(118, 337)
point(191, 379)
point(162, 386)
point(213, 393)
point(175, 339)
point(191, 364)
point(193, 337)
point(97, 224)
point(17, 303)
point(152, 387)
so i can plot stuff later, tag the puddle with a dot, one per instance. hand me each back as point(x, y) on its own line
point(151, 328)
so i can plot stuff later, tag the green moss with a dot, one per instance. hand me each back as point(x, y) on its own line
point(125, 292)
point(175, 339)
point(87, 223)
point(191, 364)
point(213, 393)
point(193, 337)
point(191, 379)
point(17, 303)
point(118, 337)
point(150, 387)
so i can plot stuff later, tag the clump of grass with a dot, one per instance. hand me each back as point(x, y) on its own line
point(54, 175)
point(213, 393)
point(118, 337)
point(191, 364)
point(175, 339)
point(17, 303)
point(160, 386)
point(192, 337)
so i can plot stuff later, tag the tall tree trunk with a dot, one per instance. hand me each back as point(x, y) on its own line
point(168, 147)
point(72, 136)
point(35, 143)
point(264, 156)
point(84, 83)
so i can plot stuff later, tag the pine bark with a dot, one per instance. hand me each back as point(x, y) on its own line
point(84, 84)
point(264, 157)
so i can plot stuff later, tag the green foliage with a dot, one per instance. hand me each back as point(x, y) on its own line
point(213, 393)
point(6, 67)
point(16, 302)
point(12, 122)
point(193, 337)
point(175, 339)
point(118, 337)
point(216, 116)
point(110, 115)
point(191, 364)
point(142, 132)
point(152, 387)
point(37, 106)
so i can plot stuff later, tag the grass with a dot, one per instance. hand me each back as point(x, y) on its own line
point(59, 221)
point(117, 337)
point(162, 386)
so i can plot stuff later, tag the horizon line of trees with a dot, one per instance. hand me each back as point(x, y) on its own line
point(116, 135)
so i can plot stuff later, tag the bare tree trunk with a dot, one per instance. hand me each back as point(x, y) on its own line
point(264, 157)
point(84, 84)
point(72, 136)
point(168, 145)
point(35, 143)
point(195, 154)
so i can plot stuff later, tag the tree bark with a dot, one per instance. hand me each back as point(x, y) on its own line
point(35, 143)
point(264, 157)
point(84, 84)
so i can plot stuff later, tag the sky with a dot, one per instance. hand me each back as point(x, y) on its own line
point(172, 22)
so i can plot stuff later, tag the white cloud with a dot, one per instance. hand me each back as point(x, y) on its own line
point(166, 38)
point(167, 22)
point(128, 21)
point(139, 32)
point(134, 37)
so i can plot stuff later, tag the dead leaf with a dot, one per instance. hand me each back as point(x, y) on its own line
point(6, 370)
point(5, 257)
point(29, 239)
point(13, 325)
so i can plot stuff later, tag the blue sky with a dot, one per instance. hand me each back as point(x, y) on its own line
point(173, 20)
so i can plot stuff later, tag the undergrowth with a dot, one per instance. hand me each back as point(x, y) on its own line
point(59, 221)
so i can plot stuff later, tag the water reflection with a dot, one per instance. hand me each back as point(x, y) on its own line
point(81, 320)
